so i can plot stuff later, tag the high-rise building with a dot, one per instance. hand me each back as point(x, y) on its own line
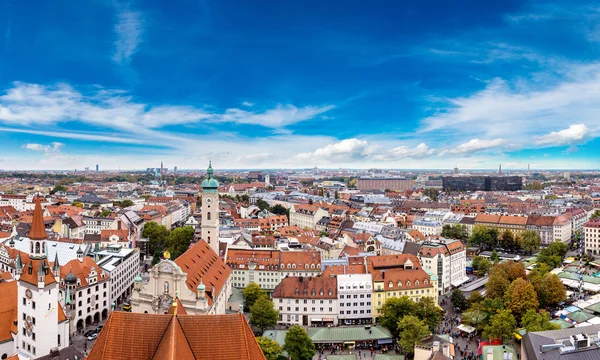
point(175, 169)
point(210, 210)
point(383, 183)
point(482, 183)
point(97, 168)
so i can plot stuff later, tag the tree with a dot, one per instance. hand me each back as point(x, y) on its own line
point(105, 213)
point(501, 326)
point(123, 204)
point(494, 257)
point(58, 188)
point(475, 298)
point(508, 240)
point(262, 204)
point(511, 270)
point(427, 310)
point(553, 254)
point(336, 195)
point(298, 345)
point(595, 215)
point(263, 314)
point(458, 299)
point(158, 235)
point(180, 240)
point(269, 347)
point(411, 330)
point(484, 236)
point(530, 241)
point(393, 310)
point(483, 267)
point(496, 286)
point(475, 316)
point(520, 297)
point(279, 209)
point(455, 232)
point(77, 203)
point(251, 293)
point(551, 291)
point(537, 321)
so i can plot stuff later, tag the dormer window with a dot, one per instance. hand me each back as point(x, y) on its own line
point(321, 292)
point(399, 284)
point(416, 282)
point(297, 292)
point(330, 292)
point(313, 292)
point(391, 284)
point(425, 282)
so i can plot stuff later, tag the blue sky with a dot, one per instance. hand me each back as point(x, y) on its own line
point(270, 84)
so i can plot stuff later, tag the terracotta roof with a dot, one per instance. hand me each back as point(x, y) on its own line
point(319, 287)
point(123, 235)
point(595, 223)
point(181, 337)
point(487, 218)
point(179, 307)
point(61, 314)
point(416, 234)
point(201, 262)
point(538, 220)
point(82, 269)
point(400, 278)
point(38, 230)
point(513, 220)
point(4, 235)
point(8, 310)
point(391, 261)
point(344, 269)
point(31, 269)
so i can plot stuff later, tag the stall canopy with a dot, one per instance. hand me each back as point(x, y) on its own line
point(465, 328)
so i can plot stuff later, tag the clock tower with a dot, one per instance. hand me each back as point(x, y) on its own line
point(210, 210)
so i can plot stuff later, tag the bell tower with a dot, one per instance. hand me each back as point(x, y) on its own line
point(210, 210)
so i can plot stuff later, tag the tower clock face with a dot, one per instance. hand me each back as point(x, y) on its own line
point(209, 200)
point(28, 294)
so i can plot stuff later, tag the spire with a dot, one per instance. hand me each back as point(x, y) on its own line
point(19, 263)
point(209, 171)
point(56, 263)
point(38, 230)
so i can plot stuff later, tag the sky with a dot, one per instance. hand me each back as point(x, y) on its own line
point(297, 84)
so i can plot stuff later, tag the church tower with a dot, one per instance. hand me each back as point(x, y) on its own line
point(38, 295)
point(210, 210)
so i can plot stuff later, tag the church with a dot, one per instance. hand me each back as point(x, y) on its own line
point(199, 278)
point(32, 321)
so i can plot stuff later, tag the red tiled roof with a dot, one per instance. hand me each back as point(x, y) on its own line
point(180, 337)
point(200, 262)
point(82, 269)
point(298, 287)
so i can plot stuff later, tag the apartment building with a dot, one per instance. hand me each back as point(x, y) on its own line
point(428, 227)
point(591, 233)
point(355, 293)
point(122, 266)
point(306, 216)
point(447, 258)
point(307, 301)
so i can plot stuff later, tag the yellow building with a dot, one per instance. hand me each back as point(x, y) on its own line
point(394, 283)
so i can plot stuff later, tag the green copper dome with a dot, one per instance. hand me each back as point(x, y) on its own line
point(138, 279)
point(210, 183)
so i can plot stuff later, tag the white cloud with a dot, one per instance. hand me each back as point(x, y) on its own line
point(128, 29)
point(253, 158)
point(572, 135)
point(53, 148)
point(248, 103)
point(522, 112)
point(27, 104)
point(477, 145)
point(355, 150)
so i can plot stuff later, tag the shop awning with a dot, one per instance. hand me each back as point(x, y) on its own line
point(384, 341)
point(459, 282)
point(466, 328)
point(316, 320)
point(327, 319)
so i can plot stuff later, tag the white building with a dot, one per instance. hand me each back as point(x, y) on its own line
point(354, 298)
point(307, 301)
point(84, 292)
point(122, 266)
point(210, 211)
point(306, 216)
point(96, 225)
point(428, 227)
point(268, 267)
point(447, 259)
point(591, 233)
point(198, 278)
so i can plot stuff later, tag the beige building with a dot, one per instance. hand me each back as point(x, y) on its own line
point(397, 184)
point(306, 216)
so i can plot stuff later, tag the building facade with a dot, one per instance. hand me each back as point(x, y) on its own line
point(355, 293)
point(210, 210)
point(306, 216)
point(394, 184)
point(307, 301)
point(122, 266)
point(591, 233)
point(447, 259)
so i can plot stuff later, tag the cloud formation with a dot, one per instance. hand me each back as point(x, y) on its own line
point(574, 134)
point(53, 148)
point(475, 145)
point(128, 30)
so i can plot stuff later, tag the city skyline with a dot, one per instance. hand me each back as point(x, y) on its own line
point(296, 85)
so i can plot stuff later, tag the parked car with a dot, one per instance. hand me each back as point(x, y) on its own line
point(92, 337)
point(98, 329)
point(89, 333)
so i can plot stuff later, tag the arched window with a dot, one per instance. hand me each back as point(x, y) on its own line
point(330, 292)
point(37, 247)
point(425, 281)
point(416, 282)
point(32, 247)
point(208, 216)
point(408, 283)
point(321, 292)
point(293, 266)
point(391, 284)
point(312, 266)
point(44, 247)
point(306, 266)
point(297, 292)
point(399, 284)
point(313, 292)
point(208, 240)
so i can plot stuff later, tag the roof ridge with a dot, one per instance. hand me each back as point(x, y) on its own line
point(185, 336)
point(161, 339)
point(244, 333)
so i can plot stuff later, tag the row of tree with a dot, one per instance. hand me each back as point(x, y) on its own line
point(410, 321)
point(512, 299)
point(161, 239)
